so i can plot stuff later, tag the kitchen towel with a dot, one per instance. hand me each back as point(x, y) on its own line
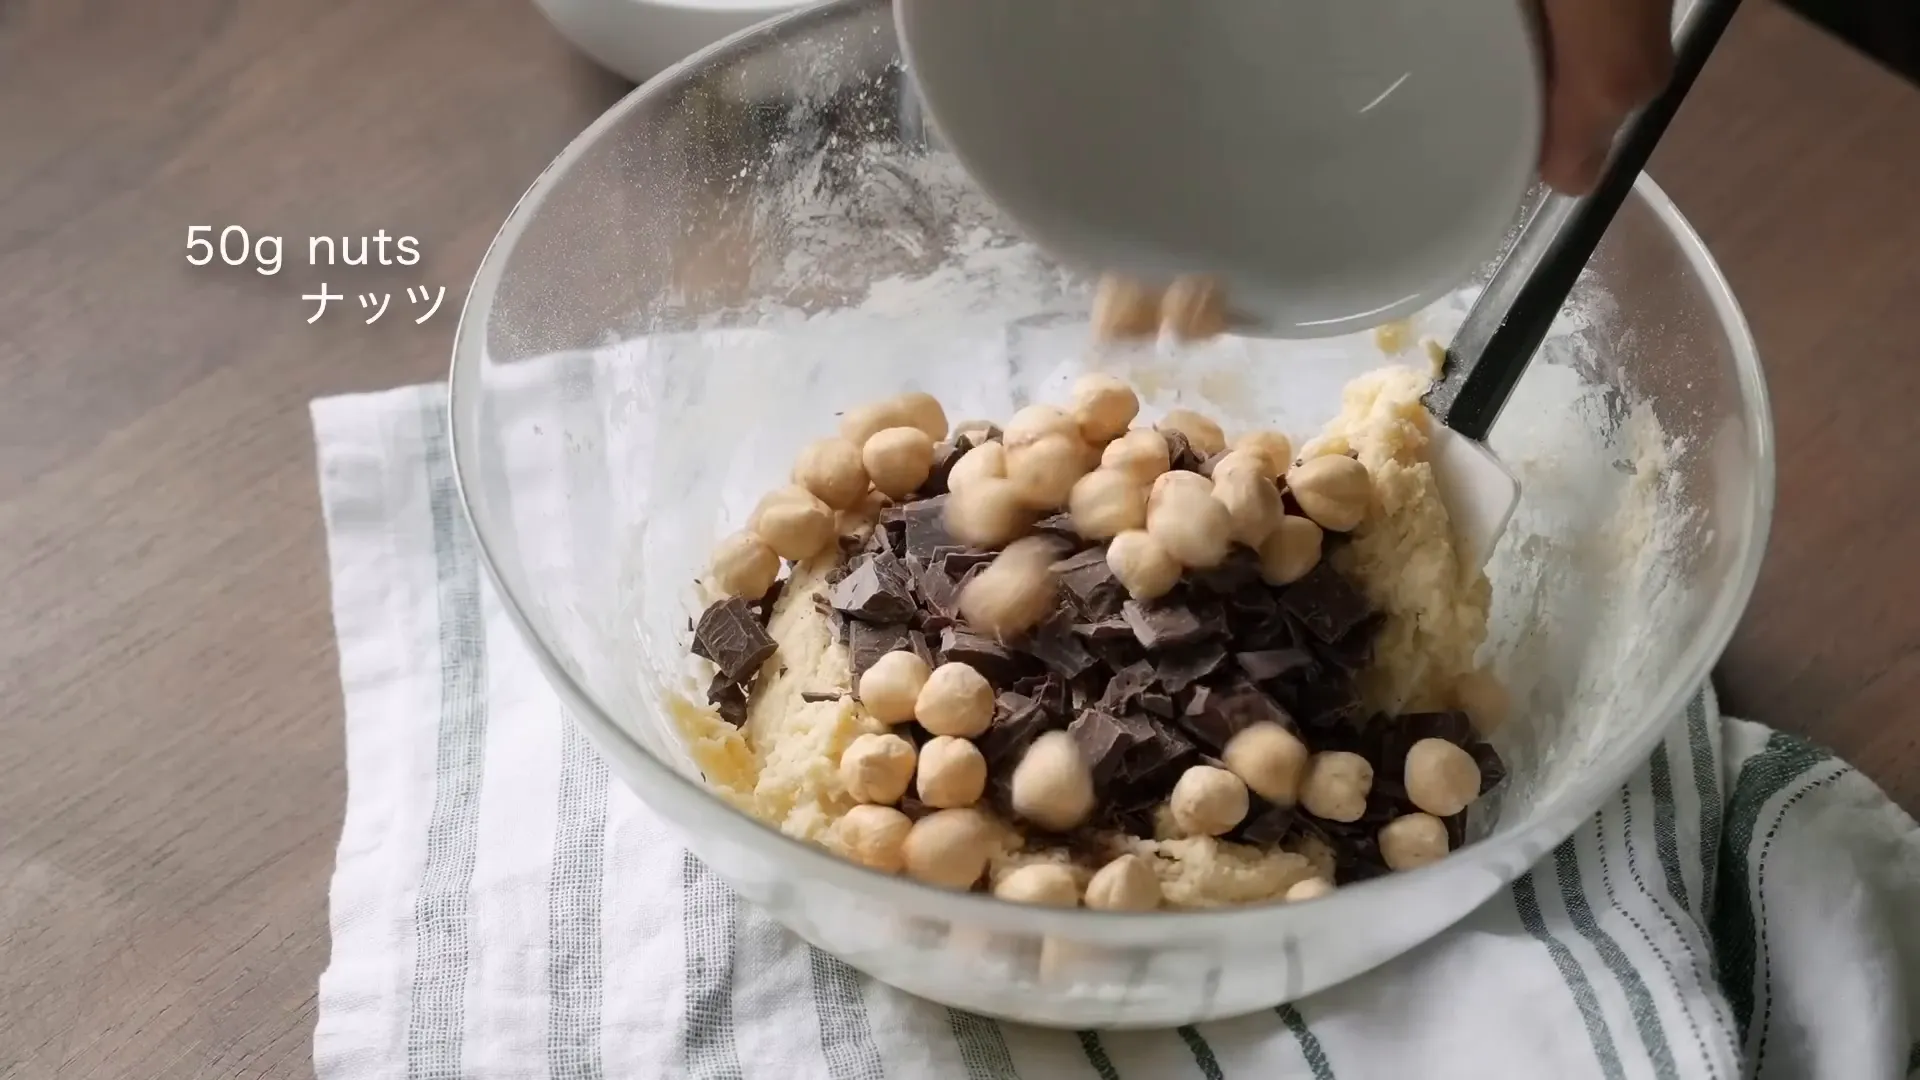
point(502, 908)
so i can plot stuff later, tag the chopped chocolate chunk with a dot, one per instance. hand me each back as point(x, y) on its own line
point(1180, 668)
point(729, 635)
point(1105, 740)
point(1240, 570)
point(1096, 593)
point(1017, 721)
point(1049, 692)
point(946, 455)
point(917, 641)
point(763, 607)
point(821, 695)
point(1325, 603)
point(937, 590)
point(1105, 629)
point(1265, 823)
point(1124, 689)
point(1058, 525)
point(1326, 703)
point(1157, 702)
point(1264, 664)
point(960, 560)
point(926, 528)
point(1180, 452)
point(1216, 716)
point(984, 654)
point(728, 698)
point(868, 642)
point(1149, 770)
point(877, 589)
point(1162, 625)
point(1054, 645)
point(1492, 768)
point(1354, 650)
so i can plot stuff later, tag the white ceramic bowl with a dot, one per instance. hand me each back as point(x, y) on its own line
point(641, 38)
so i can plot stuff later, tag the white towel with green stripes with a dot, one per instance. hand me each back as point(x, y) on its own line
point(1746, 906)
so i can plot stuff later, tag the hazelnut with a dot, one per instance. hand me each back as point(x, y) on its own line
point(1143, 566)
point(1273, 448)
point(988, 461)
point(1252, 501)
point(832, 470)
point(1052, 786)
point(863, 422)
point(1290, 550)
point(987, 513)
point(950, 848)
point(1332, 489)
point(957, 700)
point(1231, 461)
point(1194, 306)
point(1442, 779)
point(1141, 454)
point(1125, 884)
point(892, 685)
point(1103, 406)
point(1179, 479)
point(1413, 840)
point(1049, 884)
point(1124, 308)
point(874, 836)
point(1044, 471)
point(1195, 529)
point(877, 768)
point(1035, 422)
point(1486, 702)
point(1105, 503)
point(1015, 592)
point(921, 410)
point(1336, 786)
point(898, 459)
point(1207, 801)
point(1202, 434)
point(794, 523)
point(1312, 888)
point(744, 566)
point(952, 773)
point(1270, 759)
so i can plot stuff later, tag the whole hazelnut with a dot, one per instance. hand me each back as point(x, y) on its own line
point(794, 523)
point(1125, 884)
point(1141, 454)
point(1270, 759)
point(987, 513)
point(863, 422)
point(744, 566)
point(950, 848)
point(1292, 549)
point(1049, 884)
point(1312, 888)
point(1195, 529)
point(1194, 306)
point(921, 410)
point(1124, 309)
point(1103, 406)
point(1052, 786)
point(1207, 801)
point(1485, 701)
point(953, 774)
point(1105, 503)
point(1413, 840)
point(988, 461)
point(1217, 468)
point(1044, 471)
point(957, 700)
point(898, 459)
point(892, 685)
point(1442, 779)
point(877, 768)
point(1176, 480)
point(1015, 592)
point(1252, 501)
point(1333, 490)
point(874, 836)
point(1202, 434)
point(1034, 422)
point(1336, 786)
point(832, 470)
point(1273, 448)
point(1144, 567)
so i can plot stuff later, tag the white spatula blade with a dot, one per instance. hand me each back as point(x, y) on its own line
point(1479, 491)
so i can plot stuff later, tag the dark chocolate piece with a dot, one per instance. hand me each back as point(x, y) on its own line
point(1264, 664)
point(1096, 593)
point(1180, 668)
point(1048, 691)
point(917, 641)
point(1060, 526)
point(985, 655)
point(731, 636)
point(728, 698)
point(1054, 645)
point(821, 695)
point(1158, 702)
point(937, 590)
point(1105, 629)
point(1124, 688)
point(1240, 570)
point(1354, 650)
point(1265, 823)
point(1148, 771)
point(1105, 740)
point(1017, 721)
point(878, 589)
point(959, 561)
point(1162, 625)
point(868, 642)
point(1325, 603)
point(763, 607)
point(1216, 716)
point(926, 528)
point(1180, 453)
point(946, 454)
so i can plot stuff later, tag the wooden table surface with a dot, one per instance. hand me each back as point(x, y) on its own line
point(170, 739)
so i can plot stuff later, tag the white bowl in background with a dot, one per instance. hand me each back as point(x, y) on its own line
point(641, 38)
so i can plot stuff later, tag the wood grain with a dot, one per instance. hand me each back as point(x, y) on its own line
point(170, 755)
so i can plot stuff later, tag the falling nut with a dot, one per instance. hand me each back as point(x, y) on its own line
point(1271, 761)
point(794, 523)
point(1292, 549)
point(1207, 801)
point(1143, 567)
point(1103, 406)
point(1312, 888)
point(950, 848)
point(988, 461)
point(987, 513)
point(952, 774)
point(832, 470)
point(1124, 309)
point(921, 410)
point(1125, 884)
point(1252, 501)
point(1035, 422)
point(744, 566)
point(1047, 884)
point(1485, 701)
point(1177, 479)
point(863, 422)
point(956, 700)
point(1413, 840)
point(1195, 529)
point(1336, 786)
point(877, 768)
point(1105, 503)
point(1273, 448)
point(874, 836)
point(1333, 490)
point(890, 688)
point(1194, 306)
point(1442, 779)
point(1043, 472)
point(898, 459)
point(1141, 454)
point(1202, 434)
point(1052, 786)
point(1015, 592)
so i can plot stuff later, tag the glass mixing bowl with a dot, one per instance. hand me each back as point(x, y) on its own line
point(766, 234)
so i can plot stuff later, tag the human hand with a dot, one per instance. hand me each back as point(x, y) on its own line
point(1605, 59)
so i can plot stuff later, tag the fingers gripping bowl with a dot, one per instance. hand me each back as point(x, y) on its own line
point(765, 236)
